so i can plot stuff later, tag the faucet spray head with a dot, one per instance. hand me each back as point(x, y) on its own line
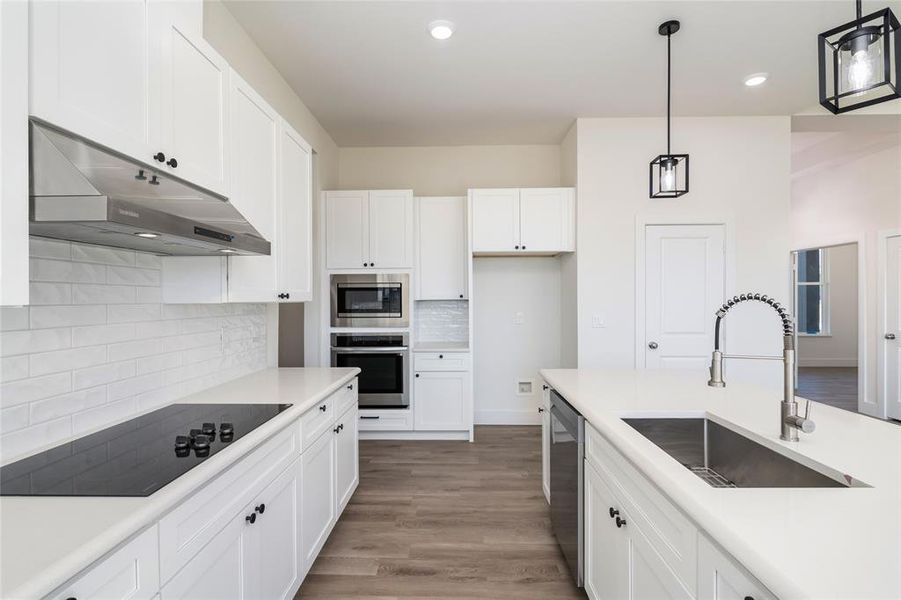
point(716, 370)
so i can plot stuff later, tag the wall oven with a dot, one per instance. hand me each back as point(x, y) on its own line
point(384, 362)
point(370, 300)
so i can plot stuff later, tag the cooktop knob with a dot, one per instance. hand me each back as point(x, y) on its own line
point(181, 442)
point(226, 428)
point(209, 429)
point(202, 452)
point(194, 433)
point(201, 441)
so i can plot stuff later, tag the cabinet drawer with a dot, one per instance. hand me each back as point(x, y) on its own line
point(316, 420)
point(130, 572)
point(188, 528)
point(441, 361)
point(673, 536)
point(386, 420)
point(346, 397)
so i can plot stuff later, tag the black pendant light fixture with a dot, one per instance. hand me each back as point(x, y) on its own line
point(859, 62)
point(669, 172)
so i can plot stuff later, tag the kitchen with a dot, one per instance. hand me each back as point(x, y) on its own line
point(261, 342)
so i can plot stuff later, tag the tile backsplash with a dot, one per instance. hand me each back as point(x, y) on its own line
point(96, 345)
point(442, 320)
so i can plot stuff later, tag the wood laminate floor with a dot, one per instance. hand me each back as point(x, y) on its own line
point(446, 520)
point(836, 386)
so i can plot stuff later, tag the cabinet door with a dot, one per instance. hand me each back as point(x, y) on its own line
point(722, 579)
point(650, 576)
point(495, 220)
point(606, 550)
point(295, 221)
point(274, 564)
point(131, 572)
point(90, 67)
point(318, 496)
point(441, 249)
point(347, 229)
point(347, 460)
point(441, 401)
point(254, 129)
point(218, 572)
point(189, 110)
point(390, 229)
point(546, 218)
point(545, 410)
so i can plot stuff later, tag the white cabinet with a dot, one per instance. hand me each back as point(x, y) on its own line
point(442, 400)
point(369, 229)
point(545, 411)
point(537, 221)
point(347, 460)
point(129, 573)
point(318, 505)
point(90, 71)
point(441, 248)
point(294, 227)
point(719, 578)
point(189, 100)
point(14, 153)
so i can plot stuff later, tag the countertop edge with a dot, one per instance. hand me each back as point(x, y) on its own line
point(779, 584)
point(167, 497)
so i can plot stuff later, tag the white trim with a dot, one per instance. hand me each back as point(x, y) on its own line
point(508, 417)
point(882, 238)
point(416, 435)
point(642, 221)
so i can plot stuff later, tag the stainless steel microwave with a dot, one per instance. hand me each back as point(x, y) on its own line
point(370, 300)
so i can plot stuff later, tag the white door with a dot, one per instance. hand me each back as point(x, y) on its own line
point(441, 248)
point(254, 134)
point(317, 507)
point(545, 219)
point(90, 71)
point(347, 229)
point(274, 564)
point(606, 553)
point(295, 223)
point(892, 334)
point(442, 400)
point(189, 111)
point(347, 460)
point(650, 576)
point(495, 220)
point(390, 229)
point(721, 579)
point(684, 286)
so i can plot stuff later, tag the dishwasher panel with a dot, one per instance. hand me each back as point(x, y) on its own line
point(567, 456)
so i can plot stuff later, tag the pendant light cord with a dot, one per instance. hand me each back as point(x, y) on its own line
point(668, 89)
point(859, 10)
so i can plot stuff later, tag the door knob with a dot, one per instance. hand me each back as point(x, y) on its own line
point(653, 345)
point(889, 336)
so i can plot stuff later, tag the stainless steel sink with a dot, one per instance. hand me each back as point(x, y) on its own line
point(725, 458)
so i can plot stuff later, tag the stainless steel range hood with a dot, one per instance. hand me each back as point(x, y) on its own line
point(83, 192)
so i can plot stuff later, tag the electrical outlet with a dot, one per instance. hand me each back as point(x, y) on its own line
point(519, 318)
point(598, 321)
point(524, 388)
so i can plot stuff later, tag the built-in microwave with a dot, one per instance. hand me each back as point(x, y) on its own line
point(370, 300)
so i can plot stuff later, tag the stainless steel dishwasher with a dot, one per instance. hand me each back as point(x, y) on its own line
point(567, 480)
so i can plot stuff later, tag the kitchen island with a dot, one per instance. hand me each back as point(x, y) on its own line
point(797, 542)
point(49, 541)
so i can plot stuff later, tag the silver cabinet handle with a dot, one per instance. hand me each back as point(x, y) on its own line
point(889, 336)
point(653, 345)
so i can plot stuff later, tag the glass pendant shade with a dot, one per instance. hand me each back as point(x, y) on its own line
point(858, 62)
point(669, 176)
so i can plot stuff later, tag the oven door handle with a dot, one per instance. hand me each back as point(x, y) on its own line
point(393, 350)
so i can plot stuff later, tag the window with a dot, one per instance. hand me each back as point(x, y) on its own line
point(812, 292)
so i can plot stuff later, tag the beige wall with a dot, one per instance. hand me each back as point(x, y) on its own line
point(448, 170)
point(569, 326)
point(839, 348)
point(739, 176)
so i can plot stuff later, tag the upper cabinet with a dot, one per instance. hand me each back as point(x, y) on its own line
point(441, 251)
point(537, 221)
point(294, 230)
point(369, 229)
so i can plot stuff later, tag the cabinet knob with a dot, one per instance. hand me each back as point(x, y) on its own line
point(544, 386)
point(159, 157)
point(653, 345)
point(365, 264)
point(889, 336)
point(461, 295)
point(350, 387)
point(417, 375)
point(516, 247)
point(620, 522)
point(440, 356)
point(322, 407)
point(613, 512)
point(523, 247)
point(172, 163)
point(749, 597)
point(372, 264)
point(337, 430)
point(261, 508)
point(540, 409)
point(251, 518)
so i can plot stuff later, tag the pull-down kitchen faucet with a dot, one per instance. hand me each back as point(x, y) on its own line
point(790, 422)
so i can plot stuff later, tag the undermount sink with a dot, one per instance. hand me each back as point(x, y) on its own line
point(725, 458)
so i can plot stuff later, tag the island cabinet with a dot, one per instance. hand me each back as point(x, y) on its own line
point(721, 578)
point(544, 411)
point(251, 532)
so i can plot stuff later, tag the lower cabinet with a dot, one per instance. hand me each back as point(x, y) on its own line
point(720, 578)
point(347, 457)
point(442, 400)
point(318, 505)
point(545, 412)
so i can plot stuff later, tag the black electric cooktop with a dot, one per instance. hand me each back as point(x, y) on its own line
point(137, 457)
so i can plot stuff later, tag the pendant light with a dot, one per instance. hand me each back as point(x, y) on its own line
point(669, 172)
point(859, 62)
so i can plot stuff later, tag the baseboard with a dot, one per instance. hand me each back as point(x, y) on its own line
point(827, 362)
point(508, 417)
point(415, 435)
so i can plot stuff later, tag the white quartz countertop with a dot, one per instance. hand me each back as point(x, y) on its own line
point(44, 541)
point(441, 347)
point(800, 543)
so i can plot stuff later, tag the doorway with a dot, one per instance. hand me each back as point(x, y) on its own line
point(827, 322)
point(891, 349)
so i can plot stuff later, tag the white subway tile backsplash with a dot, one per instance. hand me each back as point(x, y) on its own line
point(96, 345)
point(57, 361)
point(442, 320)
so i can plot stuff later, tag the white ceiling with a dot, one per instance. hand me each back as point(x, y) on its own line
point(520, 72)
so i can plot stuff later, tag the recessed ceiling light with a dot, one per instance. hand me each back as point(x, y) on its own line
point(147, 234)
point(441, 30)
point(755, 79)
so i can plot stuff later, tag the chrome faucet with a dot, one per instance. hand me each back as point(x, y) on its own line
point(790, 422)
